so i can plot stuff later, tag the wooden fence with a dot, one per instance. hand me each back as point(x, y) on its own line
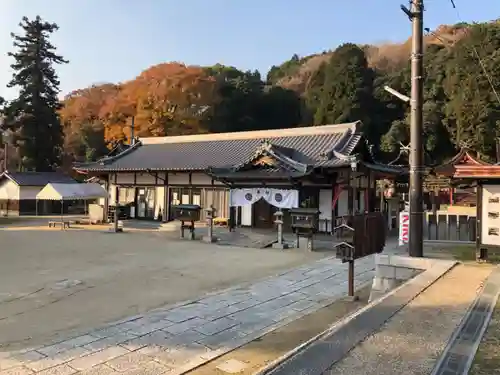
point(449, 227)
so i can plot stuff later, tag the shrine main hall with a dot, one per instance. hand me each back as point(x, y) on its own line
point(246, 176)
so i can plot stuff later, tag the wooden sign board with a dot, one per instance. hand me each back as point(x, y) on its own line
point(490, 215)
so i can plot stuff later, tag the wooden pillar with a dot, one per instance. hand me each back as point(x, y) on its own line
point(435, 198)
point(166, 200)
point(368, 191)
point(350, 197)
point(481, 254)
point(451, 196)
point(106, 200)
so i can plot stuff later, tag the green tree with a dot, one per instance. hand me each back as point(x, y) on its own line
point(436, 137)
point(472, 109)
point(88, 144)
point(33, 116)
point(347, 92)
point(243, 102)
point(314, 92)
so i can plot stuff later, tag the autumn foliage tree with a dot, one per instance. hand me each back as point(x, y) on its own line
point(346, 84)
point(175, 99)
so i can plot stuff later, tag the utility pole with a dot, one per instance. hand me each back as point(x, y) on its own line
point(416, 15)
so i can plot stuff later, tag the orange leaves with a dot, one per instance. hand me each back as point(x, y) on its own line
point(160, 99)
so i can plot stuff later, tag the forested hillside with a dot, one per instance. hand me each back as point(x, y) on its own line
point(337, 86)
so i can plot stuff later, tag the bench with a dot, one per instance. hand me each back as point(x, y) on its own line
point(55, 223)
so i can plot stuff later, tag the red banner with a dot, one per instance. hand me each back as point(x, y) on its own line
point(336, 194)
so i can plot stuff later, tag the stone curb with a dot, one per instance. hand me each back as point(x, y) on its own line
point(425, 279)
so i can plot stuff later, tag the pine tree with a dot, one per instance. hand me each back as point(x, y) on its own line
point(33, 115)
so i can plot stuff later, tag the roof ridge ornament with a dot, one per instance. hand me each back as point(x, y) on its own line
point(341, 156)
point(465, 144)
point(265, 145)
point(325, 155)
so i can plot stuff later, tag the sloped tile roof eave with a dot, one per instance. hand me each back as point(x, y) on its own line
point(199, 155)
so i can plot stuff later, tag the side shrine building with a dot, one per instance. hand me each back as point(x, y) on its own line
point(246, 176)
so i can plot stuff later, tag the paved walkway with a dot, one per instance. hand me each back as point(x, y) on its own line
point(460, 352)
point(174, 340)
point(408, 343)
point(411, 342)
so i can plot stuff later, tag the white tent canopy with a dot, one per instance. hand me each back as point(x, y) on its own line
point(75, 191)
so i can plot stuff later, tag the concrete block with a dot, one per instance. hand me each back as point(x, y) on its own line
point(384, 284)
point(222, 312)
point(405, 273)
point(243, 305)
point(385, 271)
point(157, 338)
point(150, 327)
point(302, 305)
point(175, 357)
point(185, 339)
point(101, 370)
point(409, 262)
point(216, 326)
point(382, 259)
point(281, 246)
point(7, 363)
point(57, 359)
point(58, 370)
point(232, 366)
point(109, 341)
point(87, 362)
point(17, 371)
point(353, 298)
point(30, 355)
point(250, 328)
point(283, 313)
point(209, 239)
point(223, 339)
point(184, 326)
point(129, 362)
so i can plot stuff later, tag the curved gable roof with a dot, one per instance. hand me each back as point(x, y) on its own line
point(200, 152)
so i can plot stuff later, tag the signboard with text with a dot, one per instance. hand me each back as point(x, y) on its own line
point(404, 228)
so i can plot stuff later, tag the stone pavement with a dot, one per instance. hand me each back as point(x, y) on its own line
point(176, 339)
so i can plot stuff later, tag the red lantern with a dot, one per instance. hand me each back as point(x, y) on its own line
point(389, 192)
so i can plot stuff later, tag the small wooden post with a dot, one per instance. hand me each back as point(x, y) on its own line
point(434, 210)
point(62, 214)
point(115, 224)
point(191, 230)
point(351, 280)
point(481, 253)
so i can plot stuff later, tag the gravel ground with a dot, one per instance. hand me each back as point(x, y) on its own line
point(414, 338)
point(55, 282)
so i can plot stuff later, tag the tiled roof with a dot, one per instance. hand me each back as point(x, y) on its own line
point(310, 145)
point(37, 178)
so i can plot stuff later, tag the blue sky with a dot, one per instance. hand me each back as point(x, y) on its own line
point(114, 40)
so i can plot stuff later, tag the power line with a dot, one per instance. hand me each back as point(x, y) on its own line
point(476, 53)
